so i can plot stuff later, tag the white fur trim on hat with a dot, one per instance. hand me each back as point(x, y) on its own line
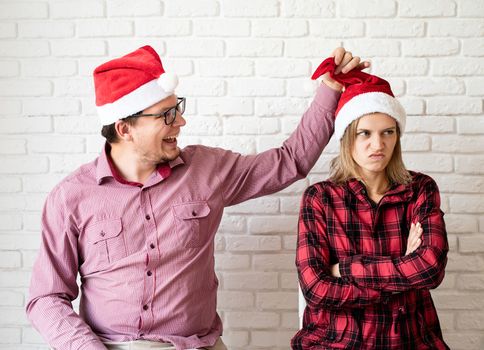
point(366, 103)
point(143, 97)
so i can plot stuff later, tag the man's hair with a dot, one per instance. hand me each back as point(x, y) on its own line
point(109, 131)
point(343, 167)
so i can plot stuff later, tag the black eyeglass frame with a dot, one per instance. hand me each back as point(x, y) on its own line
point(180, 108)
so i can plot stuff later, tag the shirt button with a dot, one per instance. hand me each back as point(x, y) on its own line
point(145, 307)
point(363, 191)
point(194, 213)
point(149, 273)
point(147, 217)
point(152, 246)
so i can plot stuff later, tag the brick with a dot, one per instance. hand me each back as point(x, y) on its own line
point(180, 66)
point(461, 184)
point(460, 28)
point(10, 184)
point(252, 319)
point(272, 224)
point(463, 340)
point(15, 279)
point(12, 242)
point(473, 47)
point(373, 47)
point(196, 48)
point(225, 106)
point(24, 164)
point(192, 8)
point(311, 8)
point(67, 163)
point(32, 221)
point(255, 47)
point(234, 339)
point(166, 27)
point(128, 8)
point(457, 144)
point(252, 243)
point(51, 106)
point(228, 67)
point(255, 87)
point(233, 224)
point(396, 28)
point(468, 204)
point(201, 87)
point(46, 29)
point(78, 47)
point(8, 30)
point(14, 316)
point(471, 281)
point(9, 69)
point(289, 280)
point(435, 86)
point(290, 205)
point(271, 107)
point(102, 28)
point(413, 106)
point(290, 241)
point(73, 87)
point(470, 125)
point(10, 335)
point(249, 8)
point(31, 336)
point(77, 125)
point(470, 320)
point(241, 144)
point(273, 262)
point(454, 105)
point(56, 144)
point(471, 244)
point(23, 10)
point(12, 146)
point(290, 320)
point(469, 164)
point(250, 280)
point(457, 67)
point(415, 143)
point(10, 260)
point(424, 163)
point(429, 124)
point(296, 188)
point(337, 28)
point(400, 67)
point(221, 27)
point(460, 223)
point(279, 28)
point(49, 68)
point(9, 106)
point(367, 9)
point(25, 87)
point(250, 126)
point(24, 48)
point(11, 298)
point(431, 8)
point(271, 338)
point(446, 320)
point(203, 126)
point(470, 8)
point(448, 283)
point(229, 300)
point(309, 48)
point(231, 262)
point(430, 47)
point(121, 46)
point(10, 222)
point(451, 300)
point(268, 142)
point(84, 9)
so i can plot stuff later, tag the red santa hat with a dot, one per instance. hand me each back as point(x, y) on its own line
point(131, 83)
point(363, 94)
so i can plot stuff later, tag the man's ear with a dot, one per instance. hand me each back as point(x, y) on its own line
point(123, 130)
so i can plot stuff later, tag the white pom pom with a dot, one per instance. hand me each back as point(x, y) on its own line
point(168, 82)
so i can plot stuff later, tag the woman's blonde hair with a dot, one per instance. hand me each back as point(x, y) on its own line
point(343, 167)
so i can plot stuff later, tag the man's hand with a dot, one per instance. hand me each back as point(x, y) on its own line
point(345, 62)
point(414, 238)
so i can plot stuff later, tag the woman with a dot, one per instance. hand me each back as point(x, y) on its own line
point(372, 238)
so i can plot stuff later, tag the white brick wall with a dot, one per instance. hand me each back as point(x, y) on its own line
point(244, 66)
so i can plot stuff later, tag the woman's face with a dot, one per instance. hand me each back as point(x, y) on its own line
point(376, 136)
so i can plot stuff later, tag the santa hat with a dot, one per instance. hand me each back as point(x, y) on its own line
point(130, 84)
point(363, 94)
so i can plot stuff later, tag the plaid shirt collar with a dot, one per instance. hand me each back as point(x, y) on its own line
point(397, 193)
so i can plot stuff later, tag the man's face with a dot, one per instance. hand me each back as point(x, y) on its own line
point(155, 142)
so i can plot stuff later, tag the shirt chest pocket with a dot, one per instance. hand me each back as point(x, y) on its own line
point(191, 221)
point(107, 242)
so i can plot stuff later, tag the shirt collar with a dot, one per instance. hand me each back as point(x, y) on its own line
point(105, 168)
point(401, 191)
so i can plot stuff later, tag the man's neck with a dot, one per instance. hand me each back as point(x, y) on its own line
point(129, 166)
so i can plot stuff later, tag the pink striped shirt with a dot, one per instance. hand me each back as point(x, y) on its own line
point(146, 254)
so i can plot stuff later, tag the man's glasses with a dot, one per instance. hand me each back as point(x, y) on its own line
point(169, 115)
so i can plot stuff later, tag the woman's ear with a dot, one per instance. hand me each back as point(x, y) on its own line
point(123, 130)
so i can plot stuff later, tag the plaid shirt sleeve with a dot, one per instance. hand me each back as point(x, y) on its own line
point(424, 268)
point(320, 289)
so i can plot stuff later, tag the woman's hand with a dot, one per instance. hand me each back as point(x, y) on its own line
point(414, 238)
point(345, 62)
point(335, 270)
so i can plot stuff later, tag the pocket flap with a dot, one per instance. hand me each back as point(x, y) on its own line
point(193, 210)
point(103, 230)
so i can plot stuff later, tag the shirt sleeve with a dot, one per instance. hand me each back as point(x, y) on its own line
point(247, 177)
point(319, 287)
point(422, 269)
point(53, 283)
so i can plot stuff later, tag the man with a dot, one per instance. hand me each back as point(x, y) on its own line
point(138, 223)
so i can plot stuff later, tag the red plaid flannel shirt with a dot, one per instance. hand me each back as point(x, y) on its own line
point(382, 301)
